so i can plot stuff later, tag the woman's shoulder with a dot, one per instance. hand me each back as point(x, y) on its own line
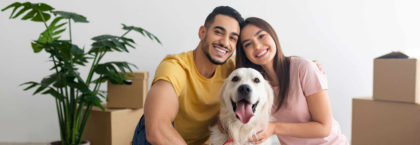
point(300, 62)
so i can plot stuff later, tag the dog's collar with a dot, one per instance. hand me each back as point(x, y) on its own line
point(228, 141)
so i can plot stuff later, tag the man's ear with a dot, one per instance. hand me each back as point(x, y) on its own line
point(202, 32)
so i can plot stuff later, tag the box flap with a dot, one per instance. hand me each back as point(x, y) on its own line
point(394, 55)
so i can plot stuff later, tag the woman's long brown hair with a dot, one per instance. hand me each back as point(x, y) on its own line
point(281, 63)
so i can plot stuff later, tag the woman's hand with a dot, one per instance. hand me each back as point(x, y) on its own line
point(263, 134)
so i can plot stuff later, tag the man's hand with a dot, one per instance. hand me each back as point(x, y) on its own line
point(318, 65)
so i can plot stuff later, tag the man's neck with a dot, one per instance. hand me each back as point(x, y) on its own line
point(204, 66)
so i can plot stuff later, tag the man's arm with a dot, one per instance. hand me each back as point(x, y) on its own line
point(160, 110)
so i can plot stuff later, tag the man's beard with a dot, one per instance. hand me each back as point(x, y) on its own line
point(206, 48)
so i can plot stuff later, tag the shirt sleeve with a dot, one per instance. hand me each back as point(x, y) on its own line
point(311, 78)
point(173, 72)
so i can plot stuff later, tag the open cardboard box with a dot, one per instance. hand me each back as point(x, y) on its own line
point(128, 96)
point(396, 79)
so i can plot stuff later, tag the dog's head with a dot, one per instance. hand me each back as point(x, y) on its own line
point(246, 94)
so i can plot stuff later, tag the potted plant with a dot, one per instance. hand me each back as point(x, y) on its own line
point(74, 95)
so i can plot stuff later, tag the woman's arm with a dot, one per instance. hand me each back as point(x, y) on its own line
point(320, 126)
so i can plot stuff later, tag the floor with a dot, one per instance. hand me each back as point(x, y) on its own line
point(273, 138)
point(24, 144)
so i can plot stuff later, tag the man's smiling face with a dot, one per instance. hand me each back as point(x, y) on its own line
point(220, 38)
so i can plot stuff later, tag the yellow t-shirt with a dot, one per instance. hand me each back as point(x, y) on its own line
point(198, 96)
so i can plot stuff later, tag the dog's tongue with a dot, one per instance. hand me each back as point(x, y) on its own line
point(244, 111)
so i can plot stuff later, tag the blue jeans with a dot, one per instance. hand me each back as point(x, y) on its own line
point(139, 137)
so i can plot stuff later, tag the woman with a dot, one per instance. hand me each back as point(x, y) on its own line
point(301, 109)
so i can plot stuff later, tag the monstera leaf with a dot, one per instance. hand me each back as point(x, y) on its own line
point(37, 12)
point(73, 16)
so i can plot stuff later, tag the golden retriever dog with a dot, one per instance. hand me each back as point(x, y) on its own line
point(246, 100)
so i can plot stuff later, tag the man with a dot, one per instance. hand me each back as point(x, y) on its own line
point(183, 101)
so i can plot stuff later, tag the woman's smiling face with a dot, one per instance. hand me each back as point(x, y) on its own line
point(258, 45)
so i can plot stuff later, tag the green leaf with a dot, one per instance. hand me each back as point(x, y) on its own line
point(40, 88)
point(143, 32)
point(101, 94)
point(37, 47)
point(77, 18)
point(56, 20)
point(54, 93)
point(58, 32)
point(157, 39)
point(29, 15)
point(21, 12)
point(41, 17)
point(47, 81)
point(38, 12)
point(104, 37)
point(55, 28)
point(79, 56)
point(98, 104)
point(108, 43)
point(115, 71)
point(43, 7)
point(15, 4)
point(31, 85)
point(80, 86)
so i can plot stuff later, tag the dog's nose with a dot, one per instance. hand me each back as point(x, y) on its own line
point(244, 91)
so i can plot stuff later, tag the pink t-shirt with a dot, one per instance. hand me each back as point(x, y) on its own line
point(305, 80)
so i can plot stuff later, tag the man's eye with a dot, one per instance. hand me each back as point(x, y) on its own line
point(233, 38)
point(235, 79)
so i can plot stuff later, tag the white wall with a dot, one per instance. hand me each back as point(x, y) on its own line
point(343, 35)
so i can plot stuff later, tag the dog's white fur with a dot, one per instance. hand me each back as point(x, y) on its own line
point(240, 132)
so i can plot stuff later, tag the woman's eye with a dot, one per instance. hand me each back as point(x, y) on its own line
point(261, 36)
point(246, 45)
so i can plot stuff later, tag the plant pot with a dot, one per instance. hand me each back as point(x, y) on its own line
point(84, 142)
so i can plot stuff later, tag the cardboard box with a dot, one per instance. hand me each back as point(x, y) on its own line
point(396, 80)
point(385, 123)
point(112, 126)
point(128, 96)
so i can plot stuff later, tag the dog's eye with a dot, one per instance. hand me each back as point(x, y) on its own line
point(256, 80)
point(235, 79)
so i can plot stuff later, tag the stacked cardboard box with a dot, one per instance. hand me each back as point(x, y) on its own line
point(396, 80)
point(116, 125)
point(385, 122)
point(128, 96)
point(112, 126)
point(392, 116)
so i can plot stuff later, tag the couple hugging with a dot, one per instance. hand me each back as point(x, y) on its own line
point(195, 90)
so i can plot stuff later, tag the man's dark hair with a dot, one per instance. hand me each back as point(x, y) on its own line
point(223, 10)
